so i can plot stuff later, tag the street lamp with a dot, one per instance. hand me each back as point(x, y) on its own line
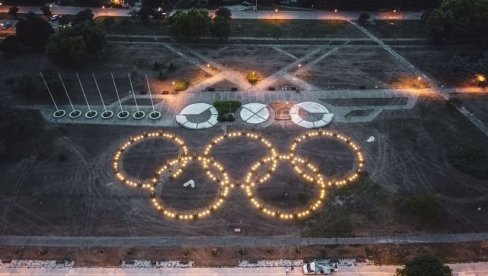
point(335, 12)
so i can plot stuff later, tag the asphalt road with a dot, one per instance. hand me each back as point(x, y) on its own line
point(466, 269)
point(238, 13)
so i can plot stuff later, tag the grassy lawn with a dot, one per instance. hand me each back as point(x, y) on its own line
point(130, 26)
point(398, 29)
point(293, 28)
point(244, 27)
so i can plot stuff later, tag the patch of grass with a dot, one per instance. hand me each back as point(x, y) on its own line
point(470, 160)
point(292, 28)
point(131, 26)
point(398, 28)
point(241, 27)
point(425, 208)
point(253, 77)
point(181, 85)
point(348, 208)
point(224, 107)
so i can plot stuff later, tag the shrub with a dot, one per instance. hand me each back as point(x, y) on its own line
point(24, 85)
point(162, 75)
point(181, 85)
point(224, 107)
point(425, 207)
point(171, 67)
point(470, 160)
point(363, 18)
point(252, 77)
point(425, 265)
point(108, 22)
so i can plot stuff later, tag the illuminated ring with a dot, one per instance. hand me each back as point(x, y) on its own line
point(74, 114)
point(240, 134)
point(309, 172)
point(350, 176)
point(59, 113)
point(91, 114)
point(222, 181)
point(107, 114)
point(315, 179)
point(117, 158)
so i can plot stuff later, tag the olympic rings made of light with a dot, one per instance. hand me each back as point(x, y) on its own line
point(217, 174)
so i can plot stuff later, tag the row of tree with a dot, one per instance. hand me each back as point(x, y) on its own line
point(83, 39)
point(196, 23)
point(459, 21)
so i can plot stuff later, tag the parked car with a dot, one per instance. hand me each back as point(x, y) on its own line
point(319, 268)
point(5, 25)
point(55, 17)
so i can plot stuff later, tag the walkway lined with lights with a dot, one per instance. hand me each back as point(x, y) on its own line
point(256, 176)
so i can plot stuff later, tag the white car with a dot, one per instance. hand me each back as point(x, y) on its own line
point(318, 268)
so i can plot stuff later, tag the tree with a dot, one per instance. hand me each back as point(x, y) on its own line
point(363, 18)
point(108, 22)
point(75, 44)
point(13, 11)
point(191, 24)
point(220, 28)
point(82, 16)
point(145, 12)
point(223, 12)
point(459, 21)
point(425, 265)
point(424, 207)
point(46, 11)
point(11, 46)
point(33, 31)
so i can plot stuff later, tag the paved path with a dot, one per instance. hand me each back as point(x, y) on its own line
point(465, 112)
point(77, 241)
point(171, 105)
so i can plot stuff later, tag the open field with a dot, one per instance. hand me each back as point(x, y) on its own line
point(272, 28)
point(58, 179)
point(398, 29)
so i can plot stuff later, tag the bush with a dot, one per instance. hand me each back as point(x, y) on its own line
point(425, 207)
point(190, 24)
point(252, 77)
point(363, 18)
point(425, 265)
point(181, 85)
point(23, 85)
point(171, 67)
point(162, 75)
point(78, 43)
point(13, 11)
point(225, 107)
point(11, 46)
point(470, 160)
point(108, 22)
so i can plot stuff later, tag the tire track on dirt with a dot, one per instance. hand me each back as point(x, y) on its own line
point(26, 168)
point(86, 216)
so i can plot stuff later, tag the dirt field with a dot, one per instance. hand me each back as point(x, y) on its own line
point(351, 68)
point(60, 180)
